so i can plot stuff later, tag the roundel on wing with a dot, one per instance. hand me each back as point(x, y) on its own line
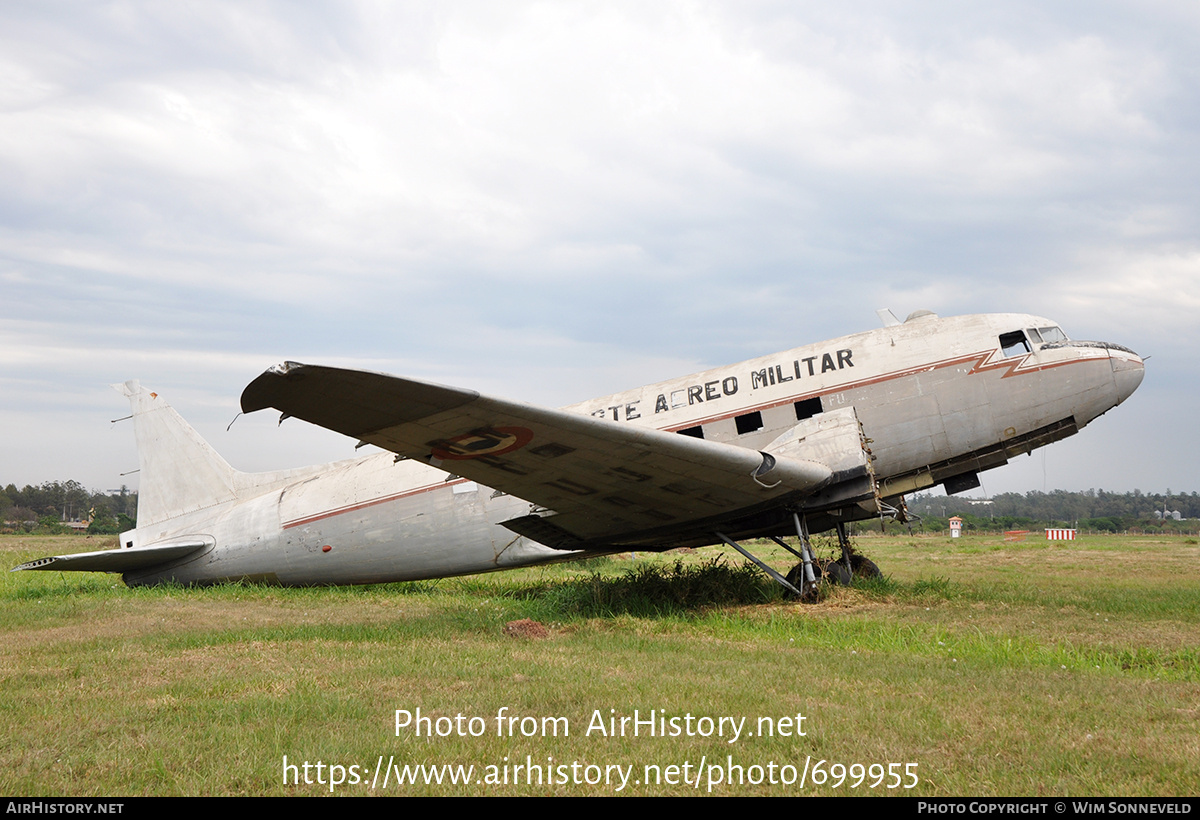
point(493, 441)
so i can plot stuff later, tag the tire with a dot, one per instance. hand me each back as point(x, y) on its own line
point(796, 578)
point(836, 573)
point(864, 567)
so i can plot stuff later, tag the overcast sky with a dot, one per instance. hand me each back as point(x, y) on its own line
point(553, 201)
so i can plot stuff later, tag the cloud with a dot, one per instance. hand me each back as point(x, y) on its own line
point(538, 197)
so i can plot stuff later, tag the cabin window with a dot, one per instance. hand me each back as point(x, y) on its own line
point(808, 408)
point(748, 422)
point(694, 432)
point(1014, 344)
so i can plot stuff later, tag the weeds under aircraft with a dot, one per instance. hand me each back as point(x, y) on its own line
point(797, 442)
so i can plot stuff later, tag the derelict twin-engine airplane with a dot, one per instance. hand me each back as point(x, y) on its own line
point(797, 442)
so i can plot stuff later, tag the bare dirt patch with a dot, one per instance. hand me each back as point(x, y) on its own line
point(526, 628)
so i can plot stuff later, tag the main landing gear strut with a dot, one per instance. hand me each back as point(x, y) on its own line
point(803, 580)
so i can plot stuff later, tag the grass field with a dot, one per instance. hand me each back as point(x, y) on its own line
point(997, 669)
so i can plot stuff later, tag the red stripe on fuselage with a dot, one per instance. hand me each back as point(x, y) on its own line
point(308, 519)
point(979, 364)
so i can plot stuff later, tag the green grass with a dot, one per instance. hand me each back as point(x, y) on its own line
point(999, 669)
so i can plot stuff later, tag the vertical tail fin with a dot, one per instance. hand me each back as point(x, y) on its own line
point(179, 471)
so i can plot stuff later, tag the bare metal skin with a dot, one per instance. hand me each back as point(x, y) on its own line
point(827, 433)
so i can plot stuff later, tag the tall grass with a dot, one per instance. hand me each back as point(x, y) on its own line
point(1015, 670)
point(650, 590)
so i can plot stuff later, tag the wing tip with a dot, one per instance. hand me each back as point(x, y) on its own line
point(286, 368)
point(258, 395)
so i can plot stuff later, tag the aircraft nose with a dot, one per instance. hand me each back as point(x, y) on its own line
point(1128, 370)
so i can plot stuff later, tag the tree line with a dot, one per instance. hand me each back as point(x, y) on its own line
point(54, 504)
point(1094, 510)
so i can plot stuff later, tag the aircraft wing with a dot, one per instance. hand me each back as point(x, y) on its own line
point(595, 483)
point(122, 560)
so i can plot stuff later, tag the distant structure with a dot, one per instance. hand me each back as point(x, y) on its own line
point(1057, 534)
point(955, 526)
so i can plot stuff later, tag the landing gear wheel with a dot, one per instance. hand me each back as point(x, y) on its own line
point(836, 573)
point(810, 591)
point(864, 567)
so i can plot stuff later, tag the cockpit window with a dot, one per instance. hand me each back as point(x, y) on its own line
point(1052, 334)
point(1014, 344)
point(1033, 335)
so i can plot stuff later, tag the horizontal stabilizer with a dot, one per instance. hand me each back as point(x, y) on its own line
point(124, 560)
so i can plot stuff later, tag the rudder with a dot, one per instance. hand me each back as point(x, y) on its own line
point(179, 471)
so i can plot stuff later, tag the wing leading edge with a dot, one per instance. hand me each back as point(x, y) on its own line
point(595, 483)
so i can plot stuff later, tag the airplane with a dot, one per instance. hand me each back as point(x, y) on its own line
point(792, 443)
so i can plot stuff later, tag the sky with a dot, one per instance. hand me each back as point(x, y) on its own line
point(555, 201)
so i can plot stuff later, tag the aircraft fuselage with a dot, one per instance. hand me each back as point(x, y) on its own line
point(938, 400)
